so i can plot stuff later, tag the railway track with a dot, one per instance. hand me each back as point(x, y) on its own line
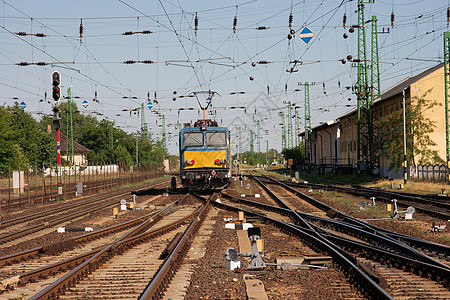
point(108, 253)
point(368, 262)
point(387, 255)
point(138, 233)
point(433, 205)
point(28, 224)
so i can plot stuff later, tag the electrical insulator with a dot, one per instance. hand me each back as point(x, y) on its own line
point(339, 83)
point(291, 17)
point(196, 22)
point(262, 28)
point(344, 20)
point(81, 29)
point(323, 84)
point(289, 36)
point(448, 15)
point(234, 23)
point(351, 30)
point(392, 19)
point(21, 33)
point(251, 78)
point(345, 35)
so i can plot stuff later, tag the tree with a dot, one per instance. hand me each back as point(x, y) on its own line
point(418, 127)
point(23, 140)
point(297, 154)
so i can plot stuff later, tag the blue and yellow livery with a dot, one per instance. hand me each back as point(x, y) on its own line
point(205, 156)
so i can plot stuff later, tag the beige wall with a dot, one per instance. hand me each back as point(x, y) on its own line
point(348, 133)
point(434, 81)
point(348, 124)
point(326, 144)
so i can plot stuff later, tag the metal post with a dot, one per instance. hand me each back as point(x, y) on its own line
point(58, 147)
point(9, 186)
point(20, 185)
point(44, 192)
point(447, 92)
point(28, 179)
point(405, 164)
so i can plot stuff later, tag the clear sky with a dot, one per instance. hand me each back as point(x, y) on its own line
point(215, 57)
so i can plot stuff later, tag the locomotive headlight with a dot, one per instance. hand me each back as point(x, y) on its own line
point(190, 161)
point(217, 161)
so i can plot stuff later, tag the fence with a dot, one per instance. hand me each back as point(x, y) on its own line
point(435, 172)
point(37, 185)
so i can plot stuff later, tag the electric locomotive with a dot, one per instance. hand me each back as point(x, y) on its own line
point(205, 156)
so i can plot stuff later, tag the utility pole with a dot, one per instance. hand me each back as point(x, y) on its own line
point(376, 88)
point(405, 164)
point(251, 143)
point(290, 131)
point(364, 141)
point(144, 129)
point(283, 133)
point(69, 148)
point(164, 144)
point(56, 93)
point(267, 152)
point(110, 135)
point(297, 127)
point(258, 141)
point(239, 145)
point(447, 93)
point(308, 141)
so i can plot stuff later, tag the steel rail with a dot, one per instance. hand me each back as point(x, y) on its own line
point(71, 278)
point(411, 241)
point(404, 199)
point(371, 235)
point(63, 208)
point(439, 271)
point(58, 220)
point(356, 276)
point(158, 285)
point(30, 253)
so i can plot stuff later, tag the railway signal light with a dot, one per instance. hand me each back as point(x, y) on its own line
point(56, 81)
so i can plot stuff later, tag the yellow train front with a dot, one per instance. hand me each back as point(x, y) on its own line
point(205, 156)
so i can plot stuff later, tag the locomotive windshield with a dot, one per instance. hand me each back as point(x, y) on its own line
point(216, 139)
point(193, 139)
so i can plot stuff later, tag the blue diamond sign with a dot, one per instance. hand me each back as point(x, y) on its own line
point(306, 35)
point(85, 104)
point(208, 100)
point(22, 105)
point(149, 104)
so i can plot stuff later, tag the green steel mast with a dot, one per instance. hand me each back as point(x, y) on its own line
point(144, 129)
point(364, 100)
point(163, 139)
point(289, 129)
point(283, 133)
point(258, 141)
point(447, 92)
point(110, 131)
point(308, 142)
point(69, 149)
